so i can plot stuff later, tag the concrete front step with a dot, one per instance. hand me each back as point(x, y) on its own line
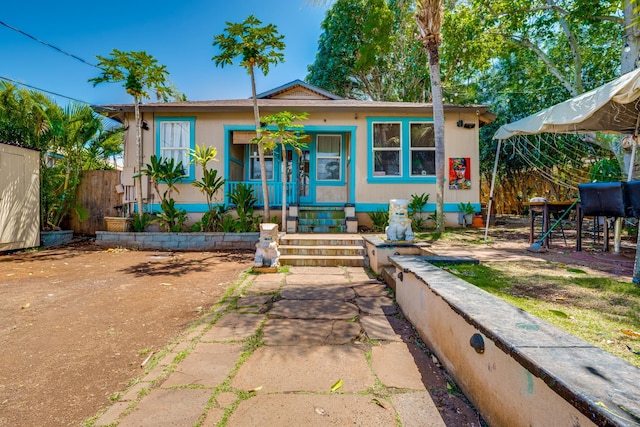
point(321, 250)
point(340, 228)
point(319, 239)
point(322, 260)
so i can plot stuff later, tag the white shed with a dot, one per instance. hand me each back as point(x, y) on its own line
point(19, 197)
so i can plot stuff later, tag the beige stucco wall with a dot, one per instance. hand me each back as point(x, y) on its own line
point(504, 391)
point(19, 198)
point(209, 130)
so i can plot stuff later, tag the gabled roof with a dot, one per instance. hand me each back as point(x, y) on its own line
point(298, 89)
point(296, 96)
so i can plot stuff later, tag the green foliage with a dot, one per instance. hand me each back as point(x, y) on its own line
point(379, 219)
point(209, 185)
point(171, 218)
point(286, 132)
point(212, 220)
point(256, 45)
point(466, 208)
point(141, 221)
point(605, 170)
point(416, 208)
point(369, 49)
point(139, 73)
point(228, 224)
point(70, 140)
point(244, 200)
point(165, 171)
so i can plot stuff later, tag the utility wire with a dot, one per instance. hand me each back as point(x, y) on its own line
point(48, 45)
point(43, 90)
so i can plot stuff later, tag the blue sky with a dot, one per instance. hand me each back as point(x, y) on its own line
point(179, 34)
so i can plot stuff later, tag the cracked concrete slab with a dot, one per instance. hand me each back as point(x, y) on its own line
point(207, 365)
point(177, 407)
point(233, 327)
point(321, 279)
point(396, 367)
point(309, 332)
point(374, 289)
point(305, 369)
point(379, 328)
point(417, 410)
point(314, 309)
point(318, 292)
point(311, 410)
point(253, 300)
point(383, 306)
point(317, 270)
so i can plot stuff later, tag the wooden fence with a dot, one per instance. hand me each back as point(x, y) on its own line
point(98, 194)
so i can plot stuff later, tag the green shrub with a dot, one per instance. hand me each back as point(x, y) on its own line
point(380, 219)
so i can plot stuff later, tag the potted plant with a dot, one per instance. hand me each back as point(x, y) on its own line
point(465, 213)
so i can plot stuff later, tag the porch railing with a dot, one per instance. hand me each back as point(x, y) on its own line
point(275, 192)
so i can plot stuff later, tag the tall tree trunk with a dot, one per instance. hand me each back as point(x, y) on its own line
point(631, 50)
point(438, 127)
point(263, 167)
point(429, 17)
point(136, 106)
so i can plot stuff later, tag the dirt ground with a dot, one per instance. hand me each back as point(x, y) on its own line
point(508, 240)
point(77, 322)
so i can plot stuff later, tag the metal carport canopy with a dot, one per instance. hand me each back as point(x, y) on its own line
point(612, 108)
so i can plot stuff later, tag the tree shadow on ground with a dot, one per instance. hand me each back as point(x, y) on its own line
point(169, 264)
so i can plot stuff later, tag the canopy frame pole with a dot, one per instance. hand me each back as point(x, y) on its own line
point(493, 182)
point(632, 163)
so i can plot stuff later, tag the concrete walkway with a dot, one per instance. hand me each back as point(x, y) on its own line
point(272, 353)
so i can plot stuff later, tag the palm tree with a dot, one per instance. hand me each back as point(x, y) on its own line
point(286, 133)
point(257, 47)
point(429, 17)
point(139, 72)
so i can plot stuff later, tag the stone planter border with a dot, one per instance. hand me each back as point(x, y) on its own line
point(55, 238)
point(178, 241)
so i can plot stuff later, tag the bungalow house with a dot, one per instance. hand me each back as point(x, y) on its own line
point(359, 154)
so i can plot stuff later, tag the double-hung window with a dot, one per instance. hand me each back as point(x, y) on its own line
point(423, 149)
point(329, 158)
point(387, 149)
point(254, 163)
point(401, 149)
point(175, 138)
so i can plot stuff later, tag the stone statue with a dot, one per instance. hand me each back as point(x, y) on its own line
point(267, 253)
point(399, 222)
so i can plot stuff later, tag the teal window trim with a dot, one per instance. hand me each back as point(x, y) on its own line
point(236, 161)
point(189, 168)
point(343, 161)
point(405, 176)
point(348, 132)
point(228, 129)
point(429, 207)
point(275, 160)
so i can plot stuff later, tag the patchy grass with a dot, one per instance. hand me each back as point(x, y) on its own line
point(601, 310)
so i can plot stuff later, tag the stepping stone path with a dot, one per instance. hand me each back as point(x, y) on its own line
point(315, 346)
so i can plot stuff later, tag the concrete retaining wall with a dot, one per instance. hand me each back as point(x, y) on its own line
point(379, 250)
point(530, 372)
point(55, 238)
point(178, 241)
